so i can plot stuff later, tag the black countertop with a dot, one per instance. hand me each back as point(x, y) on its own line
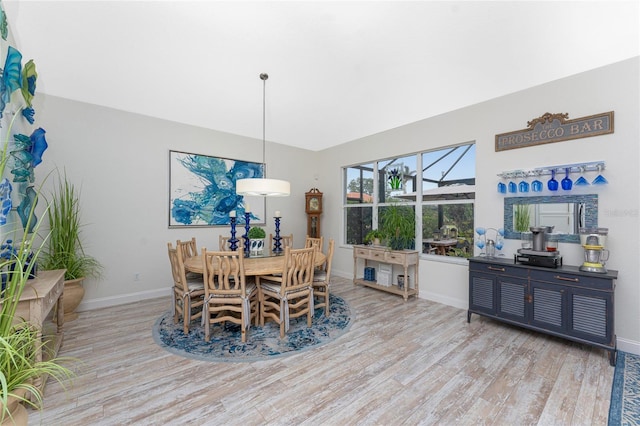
point(570, 269)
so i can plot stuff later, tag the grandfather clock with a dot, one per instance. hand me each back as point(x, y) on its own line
point(313, 208)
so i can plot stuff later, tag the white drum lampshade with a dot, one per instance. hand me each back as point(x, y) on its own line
point(263, 187)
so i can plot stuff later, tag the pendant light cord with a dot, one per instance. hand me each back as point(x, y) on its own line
point(264, 77)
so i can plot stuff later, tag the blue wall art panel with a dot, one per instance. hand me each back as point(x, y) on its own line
point(202, 190)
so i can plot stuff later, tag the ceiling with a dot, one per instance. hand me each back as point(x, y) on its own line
point(338, 71)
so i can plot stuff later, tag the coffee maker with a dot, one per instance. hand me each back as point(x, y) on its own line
point(593, 241)
point(542, 252)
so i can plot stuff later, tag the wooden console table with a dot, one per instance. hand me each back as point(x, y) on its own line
point(404, 258)
point(39, 297)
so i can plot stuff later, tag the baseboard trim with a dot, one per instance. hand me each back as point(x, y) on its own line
point(105, 302)
point(449, 301)
point(629, 346)
point(434, 297)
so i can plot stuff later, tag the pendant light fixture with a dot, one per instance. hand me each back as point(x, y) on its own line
point(262, 186)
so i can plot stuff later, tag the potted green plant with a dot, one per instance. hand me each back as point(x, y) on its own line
point(398, 223)
point(256, 237)
point(64, 248)
point(374, 237)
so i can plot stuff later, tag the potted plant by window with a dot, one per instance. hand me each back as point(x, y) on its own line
point(374, 237)
point(398, 223)
point(64, 247)
point(256, 237)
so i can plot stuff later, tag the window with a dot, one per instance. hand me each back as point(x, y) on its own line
point(448, 194)
point(438, 184)
point(358, 202)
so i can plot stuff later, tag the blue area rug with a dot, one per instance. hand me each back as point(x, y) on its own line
point(262, 342)
point(625, 391)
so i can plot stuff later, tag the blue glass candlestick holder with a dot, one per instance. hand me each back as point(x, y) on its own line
point(247, 220)
point(277, 245)
point(233, 241)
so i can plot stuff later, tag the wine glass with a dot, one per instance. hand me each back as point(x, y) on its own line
point(480, 242)
point(581, 181)
point(502, 187)
point(566, 182)
point(513, 188)
point(599, 180)
point(523, 186)
point(500, 241)
point(537, 185)
point(552, 184)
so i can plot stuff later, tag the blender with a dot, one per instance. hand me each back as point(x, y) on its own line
point(593, 240)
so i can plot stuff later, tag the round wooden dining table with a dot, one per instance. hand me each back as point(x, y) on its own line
point(257, 265)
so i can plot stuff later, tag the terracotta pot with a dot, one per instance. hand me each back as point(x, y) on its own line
point(17, 414)
point(73, 294)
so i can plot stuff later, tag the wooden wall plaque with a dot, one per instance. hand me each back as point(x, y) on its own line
point(551, 128)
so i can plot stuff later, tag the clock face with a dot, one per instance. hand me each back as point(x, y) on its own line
point(314, 204)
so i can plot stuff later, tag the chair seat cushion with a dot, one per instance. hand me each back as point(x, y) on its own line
point(270, 286)
point(249, 287)
point(195, 284)
point(319, 276)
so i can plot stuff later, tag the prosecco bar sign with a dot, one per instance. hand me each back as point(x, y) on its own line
point(555, 128)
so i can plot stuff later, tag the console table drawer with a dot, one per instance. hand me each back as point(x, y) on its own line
point(362, 252)
point(371, 254)
point(498, 269)
point(563, 278)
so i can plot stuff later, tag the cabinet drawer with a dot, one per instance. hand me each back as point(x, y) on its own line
point(361, 252)
point(498, 269)
point(397, 258)
point(370, 254)
point(568, 279)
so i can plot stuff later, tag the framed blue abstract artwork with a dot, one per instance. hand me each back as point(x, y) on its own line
point(202, 190)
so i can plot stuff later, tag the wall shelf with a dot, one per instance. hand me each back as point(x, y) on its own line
point(546, 170)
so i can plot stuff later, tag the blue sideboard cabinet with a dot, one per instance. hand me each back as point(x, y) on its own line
point(563, 302)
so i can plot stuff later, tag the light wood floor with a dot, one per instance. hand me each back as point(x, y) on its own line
point(417, 362)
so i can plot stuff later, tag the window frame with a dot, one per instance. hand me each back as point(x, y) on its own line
point(417, 202)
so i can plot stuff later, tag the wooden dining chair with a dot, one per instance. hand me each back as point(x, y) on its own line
point(322, 280)
point(188, 293)
point(229, 296)
point(290, 294)
point(223, 243)
point(285, 241)
point(314, 242)
point(188, 248)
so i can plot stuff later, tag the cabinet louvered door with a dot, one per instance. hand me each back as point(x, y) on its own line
point(591, 315)
point(548, 306)
point(512, 297)
point(482, 290)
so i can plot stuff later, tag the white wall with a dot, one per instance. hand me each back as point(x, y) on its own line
point(121, 161)
point(612, 88)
